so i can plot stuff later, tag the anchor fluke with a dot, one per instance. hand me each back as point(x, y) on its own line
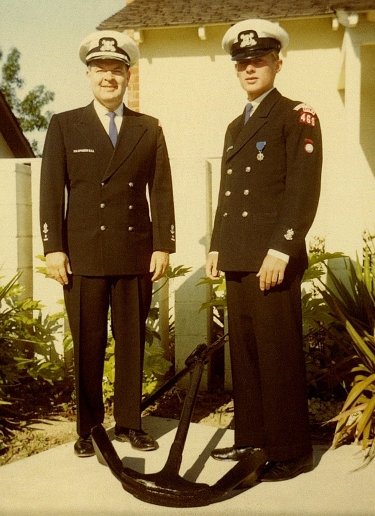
point(167, 487)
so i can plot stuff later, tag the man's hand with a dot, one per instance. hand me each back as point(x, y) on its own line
point(212, 271)
point(271, 272)
point(159, 264)
point(58, 267)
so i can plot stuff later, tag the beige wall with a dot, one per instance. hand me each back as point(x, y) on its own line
point(20, 241)
point(16, 235)
point(190, 85)
point(367, 129)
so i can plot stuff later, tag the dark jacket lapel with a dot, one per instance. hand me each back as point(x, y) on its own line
point(241, 133)
point(92, 129)
point(93, 132)
point(132, 130)
point(108, 158)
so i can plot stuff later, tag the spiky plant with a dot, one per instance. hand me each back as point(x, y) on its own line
point(350, 296)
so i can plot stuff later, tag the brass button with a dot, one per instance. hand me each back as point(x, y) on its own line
point(248, 169)
point(131, 228)
point(246, 192)
point(102, 204)
point(131, 206)
point(131, 184)
point(227, 193)
point(225, 214)
point(245, 214)
point(103, 228)
point(229, 171)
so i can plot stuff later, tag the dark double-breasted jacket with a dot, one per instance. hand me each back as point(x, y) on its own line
point(108, 209)
point(270, 184)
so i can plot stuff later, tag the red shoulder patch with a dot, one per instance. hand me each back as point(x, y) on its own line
point(307, 114)
point(307, 118)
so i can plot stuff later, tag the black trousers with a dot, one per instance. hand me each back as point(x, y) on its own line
point(88, 300)
point(268, 367)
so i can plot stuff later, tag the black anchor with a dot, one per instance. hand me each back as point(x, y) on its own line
point(167, 487)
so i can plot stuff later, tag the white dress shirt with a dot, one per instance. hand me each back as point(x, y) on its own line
point(102, 111)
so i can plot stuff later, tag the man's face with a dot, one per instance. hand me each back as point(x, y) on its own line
point(257, 75)
point(108, 79)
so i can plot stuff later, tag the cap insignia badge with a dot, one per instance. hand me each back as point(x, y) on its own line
point(107, 45)
point(249, 38)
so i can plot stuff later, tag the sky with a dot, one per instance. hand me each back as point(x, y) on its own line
point(48, 34)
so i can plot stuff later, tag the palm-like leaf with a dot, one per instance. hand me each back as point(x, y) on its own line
point(350, 299)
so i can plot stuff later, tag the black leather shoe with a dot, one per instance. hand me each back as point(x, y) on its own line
point(233, 453)
point(275, 471)
point(84, 447)
point(137, 438)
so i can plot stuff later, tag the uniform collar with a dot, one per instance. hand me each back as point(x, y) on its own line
point(102, 110)
point(255, 103)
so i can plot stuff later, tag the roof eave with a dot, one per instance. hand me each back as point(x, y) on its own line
point(193, 25)
point(12, 132)
point(120, 26)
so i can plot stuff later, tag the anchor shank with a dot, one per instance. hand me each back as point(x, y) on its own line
point(202, 351)
point(175, 453)
point(167, 487)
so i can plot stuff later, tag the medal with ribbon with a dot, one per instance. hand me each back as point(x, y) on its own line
point(260, 147)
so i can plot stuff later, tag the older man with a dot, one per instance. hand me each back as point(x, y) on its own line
point(103, 240)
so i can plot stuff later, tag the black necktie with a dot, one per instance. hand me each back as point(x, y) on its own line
point(112, 128)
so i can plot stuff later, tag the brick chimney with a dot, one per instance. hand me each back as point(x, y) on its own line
point(133, 86)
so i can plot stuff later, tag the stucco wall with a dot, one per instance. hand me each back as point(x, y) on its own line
point(16, 225)
point(20, 241)
point(191, 86)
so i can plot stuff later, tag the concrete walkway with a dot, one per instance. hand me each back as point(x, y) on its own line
point(56, 483)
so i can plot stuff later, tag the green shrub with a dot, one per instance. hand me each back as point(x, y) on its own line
point(29, 360)
point(328, 349)
point(27, 351)
point(349, 293)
